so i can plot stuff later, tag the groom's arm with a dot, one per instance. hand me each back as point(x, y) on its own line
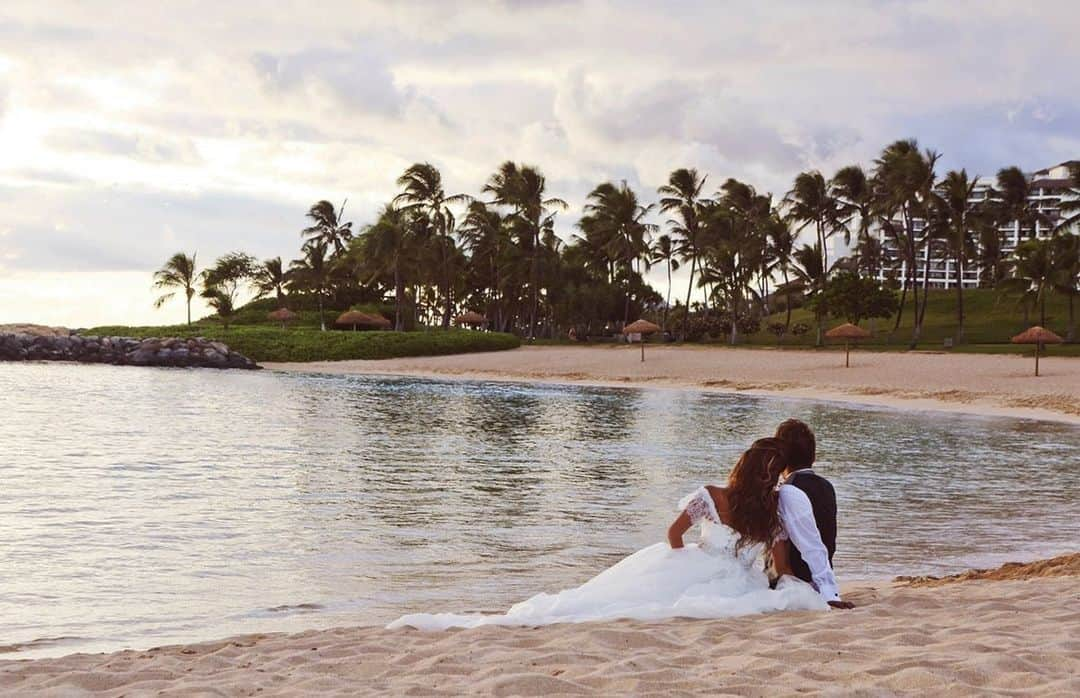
point(797, 516)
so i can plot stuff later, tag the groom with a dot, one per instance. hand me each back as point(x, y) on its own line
point(808, 513)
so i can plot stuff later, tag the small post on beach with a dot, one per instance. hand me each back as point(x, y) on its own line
point(1037, 336)
point(848, 333)
point(641, 327)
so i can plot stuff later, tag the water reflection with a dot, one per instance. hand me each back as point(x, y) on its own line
point(150, 506)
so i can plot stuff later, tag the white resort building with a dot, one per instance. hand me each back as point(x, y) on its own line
point(1048, 188)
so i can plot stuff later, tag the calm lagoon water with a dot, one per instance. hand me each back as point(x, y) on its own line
point(143, 507)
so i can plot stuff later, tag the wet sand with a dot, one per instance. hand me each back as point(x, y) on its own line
point(967, 383)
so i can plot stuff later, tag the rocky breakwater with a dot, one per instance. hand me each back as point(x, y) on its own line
point(124, 351)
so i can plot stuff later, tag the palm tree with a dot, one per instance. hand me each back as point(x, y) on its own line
point(754, 215)
point(218, 299)
point(522, 188)
point(958, 215)
point(311, 273)
point(424, 194)
point(328, 227)
point(869, 256)
point(665, 252)
point(229, 272)
point(1014, 203)
point(485, 234)
point(811, 201)
point(730, 257)
point(388, 247)
point(781, 249)
point(1066, 252)
point(1033, 274)
point(855, 201)
point(177, 273)
point(615, 216)
point(809, 268)
point(903, 182)
point(271, 277)
point(682, 195)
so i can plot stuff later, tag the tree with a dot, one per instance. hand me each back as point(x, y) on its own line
point(1066, 281)
point(959, 217)
point(614, 216)
point(869, 256)
point(782, 249)
point(732, 249)
point(1014, 204)
point(388, 248)
point(486, 234)
point(220, 301)
point(177, 273)
point(854, 298)
point(311, 274)
point(225, 278)
point(522, 188)
point(809, 269)
point(665, 252)
point(271, 277)
point(902, 183)
point(327, 227)
point(682, 196)
point(855, 202)
point(1033, 274)
point(811, 201)
point(423, 193)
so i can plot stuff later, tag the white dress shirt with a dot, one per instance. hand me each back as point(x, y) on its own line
point(797, 517)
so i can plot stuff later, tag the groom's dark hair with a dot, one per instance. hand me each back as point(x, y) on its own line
point(802, 447)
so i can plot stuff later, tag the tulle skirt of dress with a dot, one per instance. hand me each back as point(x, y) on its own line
point(652, 584)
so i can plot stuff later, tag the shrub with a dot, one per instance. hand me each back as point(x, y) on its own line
point(799, 329)
point(777, 328)
point(749, 325)
point(699, 328)
point(264, 343)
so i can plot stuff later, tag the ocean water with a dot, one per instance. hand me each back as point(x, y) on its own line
point(142, 507)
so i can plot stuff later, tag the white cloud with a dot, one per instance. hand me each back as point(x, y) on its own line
point(145, 127)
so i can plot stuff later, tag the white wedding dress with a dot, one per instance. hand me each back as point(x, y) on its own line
point(712, 579)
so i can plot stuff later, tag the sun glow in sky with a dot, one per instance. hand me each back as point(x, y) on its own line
point(129, 131)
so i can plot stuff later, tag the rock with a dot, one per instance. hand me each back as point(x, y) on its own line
point(152, 351)
point(141, 357)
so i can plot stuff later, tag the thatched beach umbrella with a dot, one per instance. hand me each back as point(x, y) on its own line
point(471, 318)
point(359, 319)
point(1038, 336)
point(642, 327)
point(849, 333)
point(282, 315)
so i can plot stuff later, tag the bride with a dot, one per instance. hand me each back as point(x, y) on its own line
point(719, 576)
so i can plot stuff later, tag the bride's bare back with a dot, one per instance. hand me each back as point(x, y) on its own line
point(721, 513)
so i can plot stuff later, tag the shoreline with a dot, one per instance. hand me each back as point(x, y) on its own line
point(1006, 630)
point(995, 386)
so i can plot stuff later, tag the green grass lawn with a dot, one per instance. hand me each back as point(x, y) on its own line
point(271, 343)
point(991, 321)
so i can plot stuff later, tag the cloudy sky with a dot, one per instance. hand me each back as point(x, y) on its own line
point(131, 130)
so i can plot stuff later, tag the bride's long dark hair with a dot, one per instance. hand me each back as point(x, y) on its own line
point(751, 494)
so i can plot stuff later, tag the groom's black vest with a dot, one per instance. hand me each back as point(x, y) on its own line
point(823, 500)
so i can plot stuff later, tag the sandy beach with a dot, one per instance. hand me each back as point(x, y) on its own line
point(967, 383)
point(1012, 631)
